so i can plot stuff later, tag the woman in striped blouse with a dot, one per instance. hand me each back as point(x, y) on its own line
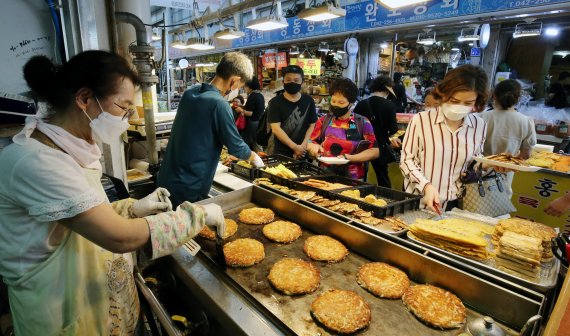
point(440, 143)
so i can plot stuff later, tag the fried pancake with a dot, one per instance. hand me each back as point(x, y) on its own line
point(371, 220)
point(256, 216)
point(282, 231)
point(383, 280)
point(243, 252)
point(325, 248)
point(294, 276)
point(341, 311)
point(231, 229)
point(305, 195)
point(325, 203)
point(435, 306)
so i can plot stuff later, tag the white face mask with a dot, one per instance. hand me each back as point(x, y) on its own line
point(455, 111)
point(107, 127)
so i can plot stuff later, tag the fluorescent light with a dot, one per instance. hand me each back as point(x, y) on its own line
point(199, 43)
point(471, 44)
point(228, 34)
point(177, 43)
point(528, 29)
point(155, 36)
point(267, 24)
point(426, 38)
point(384, 45)
point(455, 49)
point(322, 13)
point(393, 4)
point(552, 31)
point(340, 51)
point(294, 50)
point(324, 47)
point(562, 53)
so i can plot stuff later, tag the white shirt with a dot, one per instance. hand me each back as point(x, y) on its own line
point(432, 153)
point(508, 132)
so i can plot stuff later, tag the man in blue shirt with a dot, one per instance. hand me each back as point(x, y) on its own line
point(203, 124)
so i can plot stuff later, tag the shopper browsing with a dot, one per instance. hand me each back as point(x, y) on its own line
point(291, 116)
point(202, 126)
point(252, 110)
point(64, 250)
point(341, 133)
point(508, 131)
point(440, 143)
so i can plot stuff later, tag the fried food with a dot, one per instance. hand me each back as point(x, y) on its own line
point(527, 228)
point(383, 280)
point(304, 195)
point(326, 203)
point(435, 306)
point(324, 184)
point(396, 223)
point(550, 160)
point(294, 276)
point(371, 221)
point(353, 193)
point(345, 207)
point(519, 255)
point(282, 231)
point(281, 171)
point(256, 216)
point(508, 158)
point(325, 248)
point(341, 311)
point(231, 229)
point(372, 199)
point(243, 252)
point(244, 164)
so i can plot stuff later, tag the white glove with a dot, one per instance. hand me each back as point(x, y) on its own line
point(257, 161)
point(155, 202)
point(215, 218)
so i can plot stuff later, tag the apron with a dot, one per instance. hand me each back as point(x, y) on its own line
point(81, 289)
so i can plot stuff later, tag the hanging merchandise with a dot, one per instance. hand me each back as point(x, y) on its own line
point(351, 49)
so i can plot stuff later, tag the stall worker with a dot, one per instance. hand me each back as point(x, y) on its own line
point(343, 134)
point(440, 143)
point(253, 109)
point(202, 126)
point(508, 131)
point(291, 116)
point(64, 250)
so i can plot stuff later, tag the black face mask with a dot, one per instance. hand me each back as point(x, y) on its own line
point(338, 111)
point(292, 88)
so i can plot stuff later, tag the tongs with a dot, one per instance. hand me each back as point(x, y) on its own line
point(220, 257)
point(440, 214)
point(561, 248)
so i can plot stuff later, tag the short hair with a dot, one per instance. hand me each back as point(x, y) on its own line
point(240, 98)
point(507, 93)
point(345, 87)
point(235, 64)
point(464, 78)
point(381, 84)
point(253, 84)
point(294, 69)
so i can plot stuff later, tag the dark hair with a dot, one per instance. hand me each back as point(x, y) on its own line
point(240, 98)
point(345, 87)
point(398, 77)
point(253, 84)
point(381, 83)
point(96, 70)
point(559, 99)
point(294, 69)
point(507, 93)
point(563, 75)
point(235, 64)
point(464, 78)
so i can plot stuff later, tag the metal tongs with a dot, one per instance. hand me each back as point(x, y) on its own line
point(561, 248)
point(440, 214)
point(220, 257)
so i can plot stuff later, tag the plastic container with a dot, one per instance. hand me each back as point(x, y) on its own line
point(251, 173)
point(301, 169)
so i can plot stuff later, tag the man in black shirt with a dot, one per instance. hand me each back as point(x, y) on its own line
point(252, 110)
point(292, 116)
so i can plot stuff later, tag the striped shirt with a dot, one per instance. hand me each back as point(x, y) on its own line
point(432, 153)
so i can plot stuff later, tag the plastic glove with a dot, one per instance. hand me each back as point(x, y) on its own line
point(257, 161)
point(215, 218)
point(168, 230)
point(155, 202)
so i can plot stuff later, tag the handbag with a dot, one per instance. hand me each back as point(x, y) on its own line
point(240, 122)
point(486, 195)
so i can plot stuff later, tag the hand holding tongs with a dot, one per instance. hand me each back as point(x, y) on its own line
point(561, 248)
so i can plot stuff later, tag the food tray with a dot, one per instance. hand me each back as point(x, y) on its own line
point(301, 169)
point(546, 281)
point(507, 165)
point(250, 173)
point(139, 175)
point(389, 317)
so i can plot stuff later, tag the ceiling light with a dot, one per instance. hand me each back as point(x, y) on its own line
point(384, 45)
point(340, 51)
point(271, 22)
point(177, 43)
point(199, 43)
point(469, 34)
point(228, 34)
point(552, 31)
point(294, 50)
point(471, 44)
point(529, 28)
point(393, 4)
point(322, 13)
point(562, 53)
point(324, 47)
point(427, 38)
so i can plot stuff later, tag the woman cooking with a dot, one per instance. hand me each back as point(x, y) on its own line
point(440, 143)
point(64, 249)
point(343, 134)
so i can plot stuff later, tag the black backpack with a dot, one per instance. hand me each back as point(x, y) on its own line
point(263, 132)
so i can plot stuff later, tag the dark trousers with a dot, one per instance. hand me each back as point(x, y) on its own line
point(248, 134)
point(381, 170)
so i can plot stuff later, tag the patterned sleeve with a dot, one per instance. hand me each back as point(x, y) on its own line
point(123, 207)
point(316, 135)
point(369, 135)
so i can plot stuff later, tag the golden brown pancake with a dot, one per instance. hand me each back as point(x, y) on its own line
point(325, 248)
point(383, 280)
point(294, 276)
point(243, 252)
point(435, 306)
point(231, 229)
point(282, 231)
point(256, 216)
point(342, 311)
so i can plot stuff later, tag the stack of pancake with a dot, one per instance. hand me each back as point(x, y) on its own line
point(519, 255)
point(527, 228)
point(455, 235)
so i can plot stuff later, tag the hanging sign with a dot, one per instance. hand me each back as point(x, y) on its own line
point(269, 59)
point(310, 66)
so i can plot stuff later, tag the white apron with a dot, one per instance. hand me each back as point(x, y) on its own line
point(81, 289)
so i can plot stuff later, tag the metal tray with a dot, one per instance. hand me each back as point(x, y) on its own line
point(389, 317)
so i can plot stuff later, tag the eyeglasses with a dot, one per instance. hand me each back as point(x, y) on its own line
point(129, 111)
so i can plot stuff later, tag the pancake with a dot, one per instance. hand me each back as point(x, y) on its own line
point(383, 280)
point(282, 231)
point(256, 216)
point(435, 306)
point(243, 252)
point(325, 248)
point(294, 276)
point(231, 229)
point(341, 311)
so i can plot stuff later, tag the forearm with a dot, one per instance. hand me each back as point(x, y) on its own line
point(247, 113)
point(365, 156)
point(283, 137)
point(308, 133)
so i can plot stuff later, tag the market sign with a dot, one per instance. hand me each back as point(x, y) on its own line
point(268, 60)
point(368, 14)
point(310, 66)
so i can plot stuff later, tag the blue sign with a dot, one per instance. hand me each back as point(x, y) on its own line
point(369, 14)
point(475, 52)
